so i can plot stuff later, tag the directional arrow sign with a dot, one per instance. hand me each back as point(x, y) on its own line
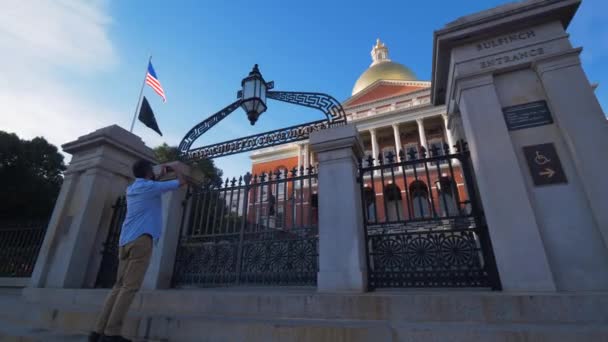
point(548, 172)
point(544, 164)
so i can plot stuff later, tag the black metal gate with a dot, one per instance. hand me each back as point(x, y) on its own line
point(109, 262)
point(257, 230)
point(424, 225)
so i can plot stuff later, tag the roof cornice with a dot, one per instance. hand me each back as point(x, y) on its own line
point(377, 83)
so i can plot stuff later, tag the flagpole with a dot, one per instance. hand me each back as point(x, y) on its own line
point(141, 91)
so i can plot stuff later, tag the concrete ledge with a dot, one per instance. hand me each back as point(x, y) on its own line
point(14, 282)
point(304, 304)
point(303, 315)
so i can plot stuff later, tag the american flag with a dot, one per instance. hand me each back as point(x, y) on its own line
point(153, 82)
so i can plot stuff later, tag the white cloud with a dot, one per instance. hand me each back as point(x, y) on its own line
point(42, 43)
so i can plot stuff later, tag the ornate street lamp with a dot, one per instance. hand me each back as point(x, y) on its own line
point(254, 95)
point(252, 98)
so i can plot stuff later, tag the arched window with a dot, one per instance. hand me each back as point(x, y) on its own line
point(394, 205)
point(419, 194)
point(369, 198)
point(447, 196)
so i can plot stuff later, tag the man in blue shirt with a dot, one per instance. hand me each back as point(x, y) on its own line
point(140, 230)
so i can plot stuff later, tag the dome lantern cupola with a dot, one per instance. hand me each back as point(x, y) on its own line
point(382, 68)
point(379, 53)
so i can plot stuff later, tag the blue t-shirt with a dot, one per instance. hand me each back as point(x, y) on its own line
point(144, 209)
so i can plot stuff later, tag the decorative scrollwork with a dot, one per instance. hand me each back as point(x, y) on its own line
point(255, 257)
point(332, 109)
point(431, 258)
point(258, 141)
point(204, 126)
point(327, 104)
point(304, 255)
point(457, 250)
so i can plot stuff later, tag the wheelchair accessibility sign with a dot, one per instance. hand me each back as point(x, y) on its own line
point(544, 164)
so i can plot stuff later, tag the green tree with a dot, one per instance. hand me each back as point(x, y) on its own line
point(31, 174)
point(165, 153)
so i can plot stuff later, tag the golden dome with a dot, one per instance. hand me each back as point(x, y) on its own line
point(382, 68)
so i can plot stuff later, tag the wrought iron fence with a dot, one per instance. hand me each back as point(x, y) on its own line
point(20, 242)
point(259, 230)
point(424, 226)
point(109, 261)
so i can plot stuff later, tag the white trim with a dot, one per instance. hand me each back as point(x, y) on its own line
point(377, 83)
point(388, 100)
point(400, 117)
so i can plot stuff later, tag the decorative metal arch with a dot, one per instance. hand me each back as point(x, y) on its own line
point(335, 116)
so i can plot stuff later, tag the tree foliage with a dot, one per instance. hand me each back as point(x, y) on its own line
point(31, 174)
point(165, 153)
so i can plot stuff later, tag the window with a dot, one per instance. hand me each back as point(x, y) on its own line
point(435, 144)
point(263, 192)
point(406, 149)
point(370, 204)
point(419, 193)
point(281, 185)
point(390, 150)
point(394, 205)
point(447, 196)
point(366, 157)
point(314, 201)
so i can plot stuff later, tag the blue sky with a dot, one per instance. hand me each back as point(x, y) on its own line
point(73, 66)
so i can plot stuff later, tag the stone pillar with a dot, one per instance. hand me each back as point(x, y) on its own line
point(583, 124)
point(98, 173)
point(422, 133)
point(375, 151)
point(342, 259)
point(160, 271)
point(448, 131)
point(511, 220)
point(516, 81)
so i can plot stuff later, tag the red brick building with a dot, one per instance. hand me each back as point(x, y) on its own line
point(392, 111)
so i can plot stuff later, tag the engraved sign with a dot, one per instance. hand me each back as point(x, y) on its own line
point(544, 164)
point(527, 115)
point(511, 57)
point(506, 40)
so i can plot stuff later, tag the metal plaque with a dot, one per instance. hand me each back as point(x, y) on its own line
point(527, 115)
point(544, 164)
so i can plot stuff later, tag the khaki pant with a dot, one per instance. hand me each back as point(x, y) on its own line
point(134, 258)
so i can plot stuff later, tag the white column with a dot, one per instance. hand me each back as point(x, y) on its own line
point(448, 132)
point(421, 133)
point(342, 259)
point(375, 151)
point(398, 146)
point(306, 158)
point(509, 214)
point(299, 156)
